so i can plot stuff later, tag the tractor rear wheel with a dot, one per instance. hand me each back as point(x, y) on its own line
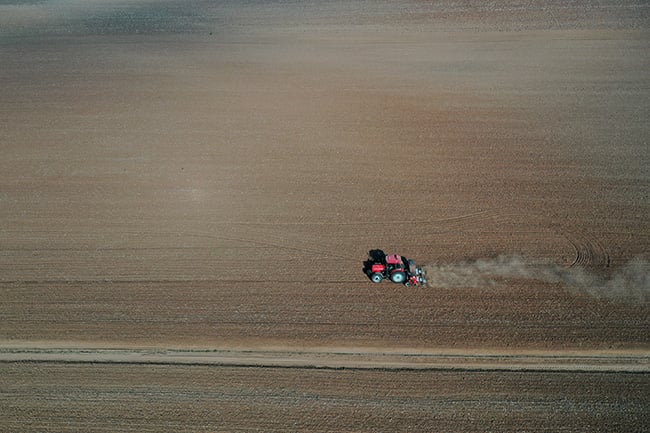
point(398, 277)
point(376, 277)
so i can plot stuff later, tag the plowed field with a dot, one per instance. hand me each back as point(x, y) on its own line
point(188, 191)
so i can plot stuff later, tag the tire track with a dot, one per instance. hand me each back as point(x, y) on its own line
point(589, 250)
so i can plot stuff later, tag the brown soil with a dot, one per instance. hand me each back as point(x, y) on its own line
point(209, 177)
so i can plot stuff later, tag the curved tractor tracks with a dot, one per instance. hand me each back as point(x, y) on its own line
point(589, 250)
point(585, 249)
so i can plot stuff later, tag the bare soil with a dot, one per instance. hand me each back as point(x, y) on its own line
point(199, 176)
point(52, 397)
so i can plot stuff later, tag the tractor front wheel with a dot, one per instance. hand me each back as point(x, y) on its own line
point(376, 277)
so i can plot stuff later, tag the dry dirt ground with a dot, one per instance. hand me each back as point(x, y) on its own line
point(188, 191)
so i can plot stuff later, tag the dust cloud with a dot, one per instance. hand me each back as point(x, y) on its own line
point(630, 284)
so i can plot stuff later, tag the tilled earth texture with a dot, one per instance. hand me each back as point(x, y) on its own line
point(188, 190)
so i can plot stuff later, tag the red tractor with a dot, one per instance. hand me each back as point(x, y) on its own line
point(398, 269)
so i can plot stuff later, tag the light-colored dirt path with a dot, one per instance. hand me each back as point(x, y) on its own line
point(339, 358)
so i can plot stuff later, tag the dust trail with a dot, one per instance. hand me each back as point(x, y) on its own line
point(631, 283)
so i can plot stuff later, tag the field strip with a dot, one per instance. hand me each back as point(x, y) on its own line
point(336, 358)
